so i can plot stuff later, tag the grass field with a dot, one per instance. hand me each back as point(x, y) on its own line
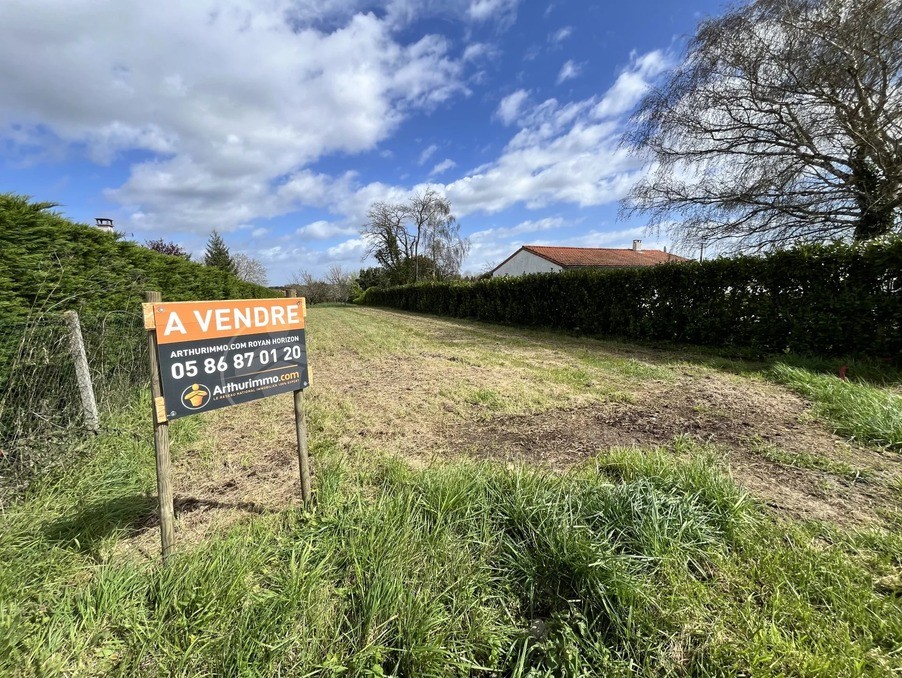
point(490, 501)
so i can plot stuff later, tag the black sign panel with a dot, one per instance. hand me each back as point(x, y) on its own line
point(206, 374)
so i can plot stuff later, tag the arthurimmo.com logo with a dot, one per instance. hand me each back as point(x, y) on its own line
point(196, 396)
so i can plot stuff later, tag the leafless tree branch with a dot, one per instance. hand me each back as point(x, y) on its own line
point(783, 123)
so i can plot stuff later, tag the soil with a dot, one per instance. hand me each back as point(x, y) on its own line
point(734, 419)
point(246, 465)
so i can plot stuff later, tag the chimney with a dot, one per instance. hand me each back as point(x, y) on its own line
point(637, 245)
point(104, 224)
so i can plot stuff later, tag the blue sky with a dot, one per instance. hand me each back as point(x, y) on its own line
point(278, 122)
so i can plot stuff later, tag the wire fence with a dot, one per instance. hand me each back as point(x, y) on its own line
point(41, 414)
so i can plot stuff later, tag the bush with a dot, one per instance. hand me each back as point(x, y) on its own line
point(833, 299)
point(51, 263)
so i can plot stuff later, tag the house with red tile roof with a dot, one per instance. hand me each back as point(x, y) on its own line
point(542, 259)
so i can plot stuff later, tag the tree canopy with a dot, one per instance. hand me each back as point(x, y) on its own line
point(217, 254)
point(782, 124)
point(415, 240)
point(167, 247)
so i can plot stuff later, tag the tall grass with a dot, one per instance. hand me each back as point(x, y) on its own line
point(633, 563)
point(858, 410)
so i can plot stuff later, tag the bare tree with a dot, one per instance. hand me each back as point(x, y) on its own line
point(447, 250)
point(337, 285)
point(341, 283)
point(432, 224)
point(782, 124)
point(386, 234)
point(307, 286)
point(417, 238)
point(249, 269)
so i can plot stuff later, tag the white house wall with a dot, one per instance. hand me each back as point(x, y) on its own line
point(524, 262)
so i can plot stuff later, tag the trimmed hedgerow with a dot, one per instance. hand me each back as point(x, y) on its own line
point(49, 264)
point(52, 263)
point(836, 299)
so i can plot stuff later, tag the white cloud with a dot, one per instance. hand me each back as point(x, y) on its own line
point(510, 106)
point(351, 250)
point(427, 153)
point(583, 166)
point(324, 14)
point(479, 50)
point(321, 230)
point(259, 232)
point(632, 84)
point(483, 10)
point(560, 34)
point(561, 153)
point(529, 226)
point(569, 70)
point(226, 95)
point(443, 166)
point(286, 263)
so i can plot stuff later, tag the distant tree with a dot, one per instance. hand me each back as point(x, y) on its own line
point(436, 233)
point(376, 276)
point(386, 234)
point(249, 269)
point(783, 123)
point(486, 271)
point(308, 286)
point(217, 254)
point(446, 250)
point(167, 247)
point(415, 240)
point(342, 284)
point(336, 286)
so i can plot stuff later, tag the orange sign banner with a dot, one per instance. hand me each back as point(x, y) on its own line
point(197, 320)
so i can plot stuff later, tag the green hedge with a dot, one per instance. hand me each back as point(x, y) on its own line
point(833, 299)
point(51, 263)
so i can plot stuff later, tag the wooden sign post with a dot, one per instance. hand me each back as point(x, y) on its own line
point(160, 438)
point(300, 423)
point(210, 354)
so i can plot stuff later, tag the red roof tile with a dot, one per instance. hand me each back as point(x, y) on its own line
point(601, 256)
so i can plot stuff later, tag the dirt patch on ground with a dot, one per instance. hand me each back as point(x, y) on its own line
point(245, 465)
point(736, 420)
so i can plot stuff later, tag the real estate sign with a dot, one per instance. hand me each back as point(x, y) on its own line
point(218, 353)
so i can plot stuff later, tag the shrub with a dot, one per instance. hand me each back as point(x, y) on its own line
point(51, 263)
point(833, 299)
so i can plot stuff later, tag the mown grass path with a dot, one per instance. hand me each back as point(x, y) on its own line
point(489, 501)
point(433, 388)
